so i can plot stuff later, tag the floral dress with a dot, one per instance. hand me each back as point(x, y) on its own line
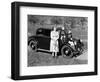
point(54, 41)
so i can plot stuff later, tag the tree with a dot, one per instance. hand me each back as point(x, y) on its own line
point(56, 20)
point(83, 20)
point(33, 19)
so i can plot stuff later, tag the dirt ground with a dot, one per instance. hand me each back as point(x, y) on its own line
point(45, 59)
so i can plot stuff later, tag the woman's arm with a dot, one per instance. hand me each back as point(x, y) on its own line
point(57, 35)
point(51, 35)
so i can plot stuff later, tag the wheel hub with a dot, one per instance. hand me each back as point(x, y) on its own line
point(33, 45)
point(66, 51)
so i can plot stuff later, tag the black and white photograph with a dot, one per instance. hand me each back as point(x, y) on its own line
point(53, 40)
point(57, 40)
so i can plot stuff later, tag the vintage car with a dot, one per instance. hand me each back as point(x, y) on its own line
point(41, 43)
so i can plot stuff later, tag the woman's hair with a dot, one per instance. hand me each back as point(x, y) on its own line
point(53, 28)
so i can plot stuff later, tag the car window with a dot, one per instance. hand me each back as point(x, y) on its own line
point(43, 32)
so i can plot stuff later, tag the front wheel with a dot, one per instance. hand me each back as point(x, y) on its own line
point(66, 51)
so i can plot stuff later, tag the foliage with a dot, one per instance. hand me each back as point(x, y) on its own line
point(33, 19)
point(58, 20)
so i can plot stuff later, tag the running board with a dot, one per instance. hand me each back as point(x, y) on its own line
point(43, 50)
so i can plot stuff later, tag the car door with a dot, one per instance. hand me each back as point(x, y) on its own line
point(44, 42)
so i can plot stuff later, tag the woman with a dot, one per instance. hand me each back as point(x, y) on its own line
point(54, 42)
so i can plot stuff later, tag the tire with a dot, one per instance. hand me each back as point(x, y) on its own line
point(33, 44)
point(66, 51)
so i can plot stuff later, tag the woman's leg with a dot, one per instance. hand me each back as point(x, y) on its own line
point(53, 54)
point(56, 54)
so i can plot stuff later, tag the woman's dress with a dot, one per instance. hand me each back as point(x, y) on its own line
point(54, 41)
